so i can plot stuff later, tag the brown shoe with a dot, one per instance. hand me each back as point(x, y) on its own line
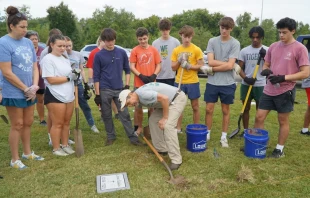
point(173, 166)
point(109, 142)
point(137, 143)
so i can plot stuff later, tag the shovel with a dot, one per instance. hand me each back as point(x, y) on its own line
point(236, 131)
point(79, 147)
point(173, 180)
point(3, 117)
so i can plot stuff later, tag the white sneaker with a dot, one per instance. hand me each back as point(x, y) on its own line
point(179, 131)
point(60, 152)
point(208, 137)
point(18, 164)
point(68, 149)
point(32, 156)
point(50, 143)
point(71, 142)
point(224, 143)
point(94, 129)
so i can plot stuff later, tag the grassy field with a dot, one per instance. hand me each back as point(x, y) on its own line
point(231, 175)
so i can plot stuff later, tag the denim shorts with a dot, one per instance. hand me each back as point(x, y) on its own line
point(191, 90)
point(283, 103)
point(226, 93)
point(19, 103)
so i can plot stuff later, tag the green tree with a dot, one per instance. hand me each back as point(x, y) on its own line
point(26, 11)
point(62, 17)
point(302, 29)
point(270, 31)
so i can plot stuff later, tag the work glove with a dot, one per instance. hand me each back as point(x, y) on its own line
point(182, 57)
point(144, 78)
point(266, 72)
point(206, 69)
point(91, 83)
point(97, 100)
point(276, 79)
point(237, 68)
point(86, 87)
point(126, 87)
point(262, 53)
point(30, 92)
point(152, 77)
point(87, 95)
point(73, 76)
point(185, 65)
point(250, 81)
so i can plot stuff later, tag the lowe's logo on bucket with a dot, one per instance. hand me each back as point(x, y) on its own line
point(260, 151)
point(199, 145)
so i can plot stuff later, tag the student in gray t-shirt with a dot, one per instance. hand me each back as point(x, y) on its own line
point(248, 58)
point(168, 103)
point(165, 45)
point(222, 54)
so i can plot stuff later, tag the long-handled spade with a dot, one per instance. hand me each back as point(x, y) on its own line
point(236, 131)
point(79, 147)
point(3, 117)
point(173, 180)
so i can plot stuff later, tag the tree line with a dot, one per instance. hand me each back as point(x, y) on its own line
point(86, 30)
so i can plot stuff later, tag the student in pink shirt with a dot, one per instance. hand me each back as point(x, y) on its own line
point(285, 62)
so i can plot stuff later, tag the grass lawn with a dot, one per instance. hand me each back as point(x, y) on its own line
point(206, 176)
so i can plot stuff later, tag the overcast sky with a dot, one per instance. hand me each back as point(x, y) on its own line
point(272, 9)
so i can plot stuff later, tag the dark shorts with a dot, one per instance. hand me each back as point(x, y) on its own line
point(19, 103)
point(49, 98)
point(191, 90)
point(283, 103)
point(226, 93)
point(255, 93)
point(41, 91)
point(169, 81)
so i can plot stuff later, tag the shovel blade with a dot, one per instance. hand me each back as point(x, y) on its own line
point(3, 117)
point(79, 146)
point(235, 132)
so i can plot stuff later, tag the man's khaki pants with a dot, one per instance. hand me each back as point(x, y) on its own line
point(167, 140)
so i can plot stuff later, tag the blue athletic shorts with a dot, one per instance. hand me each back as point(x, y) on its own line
point(226, 93)
point(19, 103)
point(191, 90)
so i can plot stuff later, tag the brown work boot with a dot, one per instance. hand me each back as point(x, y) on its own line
point(173, 166)
point(109, 142)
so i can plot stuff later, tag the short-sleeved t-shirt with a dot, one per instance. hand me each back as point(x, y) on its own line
point(22, 56)
point(165, 48)
point(285, 59)
point(91, 57)
point(249, 55)
point(223, 51)
point(306, 81)
point(194, 54)
point(148, 94)
point(146, 60)
point(57, 66)
point(76, 59)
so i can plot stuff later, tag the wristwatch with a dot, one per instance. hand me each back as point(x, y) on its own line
point(68, 79)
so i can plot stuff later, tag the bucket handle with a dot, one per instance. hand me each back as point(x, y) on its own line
point(263, 146)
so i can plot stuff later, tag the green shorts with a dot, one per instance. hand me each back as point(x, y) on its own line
point(255, 94)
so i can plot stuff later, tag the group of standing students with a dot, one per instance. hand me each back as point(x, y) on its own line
point(155, 82)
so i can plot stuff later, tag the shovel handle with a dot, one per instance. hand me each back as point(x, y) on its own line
point(153, 149)
point(250, 87)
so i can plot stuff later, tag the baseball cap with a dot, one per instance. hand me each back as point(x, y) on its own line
point(123, 97)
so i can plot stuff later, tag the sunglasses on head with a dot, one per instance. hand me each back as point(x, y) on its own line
point(19, 15)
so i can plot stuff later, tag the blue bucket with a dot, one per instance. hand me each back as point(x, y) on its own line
point(196, 137)
point(255, 143)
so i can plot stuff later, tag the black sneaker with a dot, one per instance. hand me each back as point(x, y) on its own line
point(137, 143)
point(277, 153)
point(305, 133)
point(43, 123)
